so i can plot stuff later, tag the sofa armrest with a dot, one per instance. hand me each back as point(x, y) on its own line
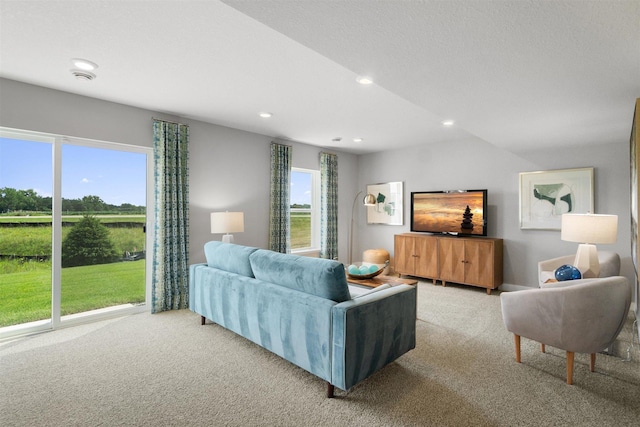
point(370, 332)
point(192, 277)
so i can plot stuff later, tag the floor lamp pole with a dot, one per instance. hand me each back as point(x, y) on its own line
point(351, 230)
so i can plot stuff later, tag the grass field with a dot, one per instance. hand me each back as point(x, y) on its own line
point(25, 286)
point(300, 230)
point(26, 296)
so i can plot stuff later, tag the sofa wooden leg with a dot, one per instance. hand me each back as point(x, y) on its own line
point(202, 320)
point(517, 341)
point(330, 389)
point(542, 347)
point(592, 365)
point(570, 355)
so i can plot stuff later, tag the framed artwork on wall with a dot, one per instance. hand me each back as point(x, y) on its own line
point(389, 201)
point(546, 195)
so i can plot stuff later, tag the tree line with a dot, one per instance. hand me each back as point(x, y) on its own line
point(13, 200)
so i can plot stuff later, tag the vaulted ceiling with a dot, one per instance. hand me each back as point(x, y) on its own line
point(516, 74)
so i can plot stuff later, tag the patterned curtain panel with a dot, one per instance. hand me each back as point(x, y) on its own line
point(279, 232)
point(170, 281)
point(328, 206)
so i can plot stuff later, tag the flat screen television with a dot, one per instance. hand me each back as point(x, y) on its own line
point(458, 212)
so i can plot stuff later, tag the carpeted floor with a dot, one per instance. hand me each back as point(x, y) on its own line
point(166, 369)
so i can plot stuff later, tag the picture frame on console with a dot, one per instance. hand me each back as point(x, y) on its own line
point(388, 209)
point(546, 195)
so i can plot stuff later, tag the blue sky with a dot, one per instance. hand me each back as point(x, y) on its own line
point(300, 188)
point(116, 177)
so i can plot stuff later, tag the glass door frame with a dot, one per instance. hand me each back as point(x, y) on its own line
point(56, 320)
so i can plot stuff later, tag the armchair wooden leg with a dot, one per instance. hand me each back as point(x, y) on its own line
point(592, 365)
point(517, 341)
point(542, 347)
point(202, 320)
point(330, 389)
point(570, 355)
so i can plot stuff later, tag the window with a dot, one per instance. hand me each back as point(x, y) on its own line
point(305, 210)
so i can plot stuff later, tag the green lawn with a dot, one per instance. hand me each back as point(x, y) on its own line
point(26, 296)
point(300, 230)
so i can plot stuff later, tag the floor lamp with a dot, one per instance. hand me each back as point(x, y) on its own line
point(369, 200)
point(227, 222)
point(589, 229)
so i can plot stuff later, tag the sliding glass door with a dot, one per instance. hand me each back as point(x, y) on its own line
point(25, 230)
point(72, 230)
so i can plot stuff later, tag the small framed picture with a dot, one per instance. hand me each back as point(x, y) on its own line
point(388, 207)
point(546, 195)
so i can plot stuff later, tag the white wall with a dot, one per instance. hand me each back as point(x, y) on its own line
point(475, 165)
point(229, 168)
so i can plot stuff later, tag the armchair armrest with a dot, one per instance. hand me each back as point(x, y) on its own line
point(370, 332)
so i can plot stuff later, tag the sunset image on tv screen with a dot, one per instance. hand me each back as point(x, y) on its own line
point(448, 212)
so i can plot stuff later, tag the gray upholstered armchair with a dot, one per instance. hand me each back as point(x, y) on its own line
point(609, 266)
point(579, 316)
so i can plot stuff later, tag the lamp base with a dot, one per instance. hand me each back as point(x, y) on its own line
point(587, 261)
point(227, 238)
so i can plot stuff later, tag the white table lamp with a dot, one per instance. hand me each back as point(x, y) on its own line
point(227, 223)
point(589, 230)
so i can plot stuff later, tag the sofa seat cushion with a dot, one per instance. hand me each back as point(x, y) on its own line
point(321, 277)
point(229, 257)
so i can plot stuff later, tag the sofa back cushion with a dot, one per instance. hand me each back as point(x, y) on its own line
point(229, 257)
point(321, 277)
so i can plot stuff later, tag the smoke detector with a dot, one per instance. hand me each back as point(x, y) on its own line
point(83, 75)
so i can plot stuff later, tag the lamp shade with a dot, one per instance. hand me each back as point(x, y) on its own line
point(227, 222)
point(589, 228)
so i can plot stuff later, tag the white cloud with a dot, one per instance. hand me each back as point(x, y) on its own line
point(85, 181)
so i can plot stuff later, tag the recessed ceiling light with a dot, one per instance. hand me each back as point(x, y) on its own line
point(265, 115)
point(83, 64)
point(448, 123)
point(357, 140)
point(363, 80)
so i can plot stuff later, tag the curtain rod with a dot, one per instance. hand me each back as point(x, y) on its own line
point(169, 121)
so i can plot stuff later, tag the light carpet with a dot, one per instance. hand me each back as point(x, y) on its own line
point(166, 369)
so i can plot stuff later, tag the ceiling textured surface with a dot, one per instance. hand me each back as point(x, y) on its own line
point(515, 74)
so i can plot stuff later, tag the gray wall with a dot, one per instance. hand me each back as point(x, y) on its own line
point(474, 165)
point(229, 168)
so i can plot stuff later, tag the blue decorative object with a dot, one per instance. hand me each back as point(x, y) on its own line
point(567, 272)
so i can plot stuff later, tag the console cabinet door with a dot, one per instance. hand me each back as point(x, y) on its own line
point(426, 249)
point(452, 260)
point(404, 254)
point(479, 264)
point(416, 256)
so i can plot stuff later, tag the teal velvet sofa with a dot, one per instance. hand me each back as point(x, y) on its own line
point(300, 309)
